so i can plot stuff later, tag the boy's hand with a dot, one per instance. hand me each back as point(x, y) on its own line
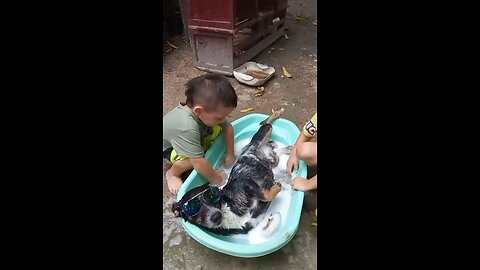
point(229, 159)
point(220, 179)
point(301, 183)
point(202, 166)
point(292, 163)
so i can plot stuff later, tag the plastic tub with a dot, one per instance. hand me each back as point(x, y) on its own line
point(284, 131)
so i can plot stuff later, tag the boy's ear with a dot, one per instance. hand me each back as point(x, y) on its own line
point(198, 110)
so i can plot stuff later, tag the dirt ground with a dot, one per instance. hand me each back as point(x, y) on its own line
point(297, 95)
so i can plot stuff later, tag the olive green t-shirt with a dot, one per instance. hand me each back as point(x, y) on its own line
point(184, 131)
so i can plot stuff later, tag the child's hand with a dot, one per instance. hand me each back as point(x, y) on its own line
point(229, 159)
point(301, 183)
point(292, 163)
point(220, 179)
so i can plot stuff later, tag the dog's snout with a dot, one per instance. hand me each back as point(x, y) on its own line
point(216, 217)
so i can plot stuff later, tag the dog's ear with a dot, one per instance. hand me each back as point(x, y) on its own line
point(176, 209)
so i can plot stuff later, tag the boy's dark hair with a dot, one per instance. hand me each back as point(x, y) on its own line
point(209, 91)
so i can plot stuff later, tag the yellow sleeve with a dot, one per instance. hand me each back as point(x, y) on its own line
point(310, 127)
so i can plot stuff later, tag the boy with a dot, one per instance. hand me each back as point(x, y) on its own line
point(307, 151)
point(190, 128)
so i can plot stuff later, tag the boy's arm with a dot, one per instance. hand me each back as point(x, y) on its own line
point(202, 166)
point(228, 135)
point(306, 134)
point(292, 162)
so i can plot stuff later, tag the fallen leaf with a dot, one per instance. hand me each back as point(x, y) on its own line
point(246, 110)
point(286, 37)
point(314, 224)
point(277, 109)
point(315, 23)
point(281, 49)
point(259, 74)
point(286, 73)
point(299, 18)
point(261, 92)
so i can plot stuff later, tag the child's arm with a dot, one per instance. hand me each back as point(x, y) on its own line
point(202, 166)
point(228, 135)
point(292, 162)
point(308, 130)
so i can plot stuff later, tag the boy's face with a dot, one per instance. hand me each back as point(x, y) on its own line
point(214, 117)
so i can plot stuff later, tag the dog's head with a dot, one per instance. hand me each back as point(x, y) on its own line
point(201, 206)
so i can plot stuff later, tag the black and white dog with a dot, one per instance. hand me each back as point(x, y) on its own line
point(240, 205)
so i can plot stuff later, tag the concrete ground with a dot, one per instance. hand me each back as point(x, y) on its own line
point(297, 95)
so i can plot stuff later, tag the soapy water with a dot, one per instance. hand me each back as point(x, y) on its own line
point(279, 206)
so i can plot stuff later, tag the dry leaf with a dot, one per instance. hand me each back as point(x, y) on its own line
point(246, 110)
point(261, 92)
point(281, 49)
point(273, 109)
point(286, 73)
point(314, 224)
point(285, 35)
point(315, 23)
point(259, 74)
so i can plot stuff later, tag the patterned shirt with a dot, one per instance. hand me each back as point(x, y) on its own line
point(310, 127)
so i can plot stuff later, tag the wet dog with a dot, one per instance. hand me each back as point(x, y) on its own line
point(240, 205)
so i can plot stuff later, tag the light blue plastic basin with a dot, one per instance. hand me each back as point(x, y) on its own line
point(284, 131)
